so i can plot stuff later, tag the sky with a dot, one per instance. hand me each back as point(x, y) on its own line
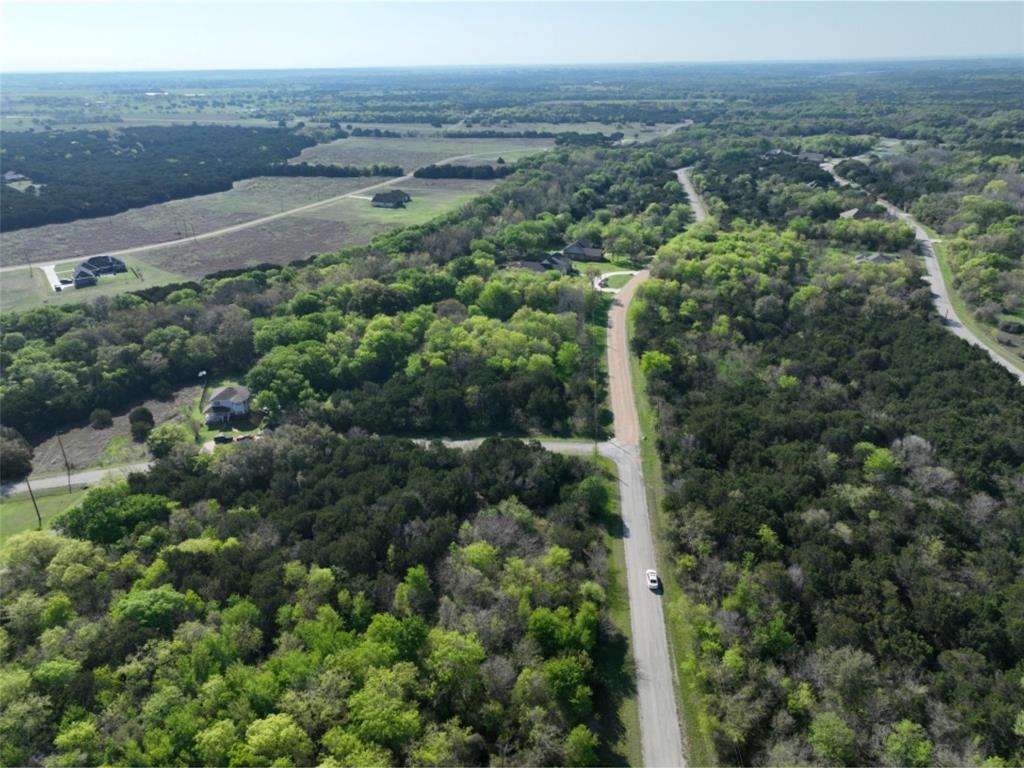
point(46, 36)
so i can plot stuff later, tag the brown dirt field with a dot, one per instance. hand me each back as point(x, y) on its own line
point(348, 222)
point(247, 200)
point(87, 447)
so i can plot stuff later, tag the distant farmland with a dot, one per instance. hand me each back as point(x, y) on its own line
point(416, 151)
point(249, 199)
point(347, 222)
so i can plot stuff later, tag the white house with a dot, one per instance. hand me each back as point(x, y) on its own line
point(227, 403)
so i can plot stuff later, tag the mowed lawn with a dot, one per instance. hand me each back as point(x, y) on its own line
point(17, 513)
point(25, 288)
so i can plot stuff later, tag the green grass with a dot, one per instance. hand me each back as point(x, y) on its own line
point(601, 266)
point(618, 281)
point(121, 450)
point(698, 743)
point(22, 289)
point(615, 660)
point(17, 513)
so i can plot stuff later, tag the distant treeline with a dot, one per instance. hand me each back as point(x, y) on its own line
point(562, 138)
point(85, 174)
point(376, 133)
point(463, 172)
point(335, 171)
point(572, 138)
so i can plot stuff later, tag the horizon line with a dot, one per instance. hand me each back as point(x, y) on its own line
point(1009, 57)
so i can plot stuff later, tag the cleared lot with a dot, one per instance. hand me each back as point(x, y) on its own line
point(247, 200)
point(347, 222)
point(416, 151)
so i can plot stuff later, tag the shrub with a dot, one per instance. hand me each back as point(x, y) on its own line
point(141, 430)
point(141, 415)
point(101, 418)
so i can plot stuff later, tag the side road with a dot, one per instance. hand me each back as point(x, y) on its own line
point(940, 290)
point(89, 477)
point(696, 204)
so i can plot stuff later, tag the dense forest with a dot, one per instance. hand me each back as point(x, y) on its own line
point(844, 505)
point(311, 600)
point(448, 171)
point(843, 496)
point(84, 174)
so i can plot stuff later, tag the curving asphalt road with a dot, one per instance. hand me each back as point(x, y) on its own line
point(937, 281)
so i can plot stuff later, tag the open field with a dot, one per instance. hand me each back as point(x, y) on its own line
point(17, 513)
point(88, 448)
point(415, 152)
point(247, 200)
point(341, 224)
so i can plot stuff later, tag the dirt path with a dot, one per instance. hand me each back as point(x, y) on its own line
point(356, 193)
point(940, 290)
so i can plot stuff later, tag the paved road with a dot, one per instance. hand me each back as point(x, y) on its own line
point(661, 743)
point(660, 739)
point(940, 290)
point(245, 224)
point(90, 477)
point(696, 204)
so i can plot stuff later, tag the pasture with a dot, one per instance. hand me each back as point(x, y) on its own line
point(247, 200)
point(414, 152)
point(343, 223)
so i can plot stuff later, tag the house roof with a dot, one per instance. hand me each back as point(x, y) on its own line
point(235, 394)
point(585, 247)
point(102, 261)
point(392, 196)
point(83, 270)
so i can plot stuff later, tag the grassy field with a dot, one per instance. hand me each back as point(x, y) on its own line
point(27, 288)
point(247, 200)
point(414, 152)
point(343, 223)
point(347, 222)
point(17, 513)
point(618, 281)
point(679, 611)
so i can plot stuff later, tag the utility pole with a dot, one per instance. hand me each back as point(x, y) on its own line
point(67, 464)
point(39, 517)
